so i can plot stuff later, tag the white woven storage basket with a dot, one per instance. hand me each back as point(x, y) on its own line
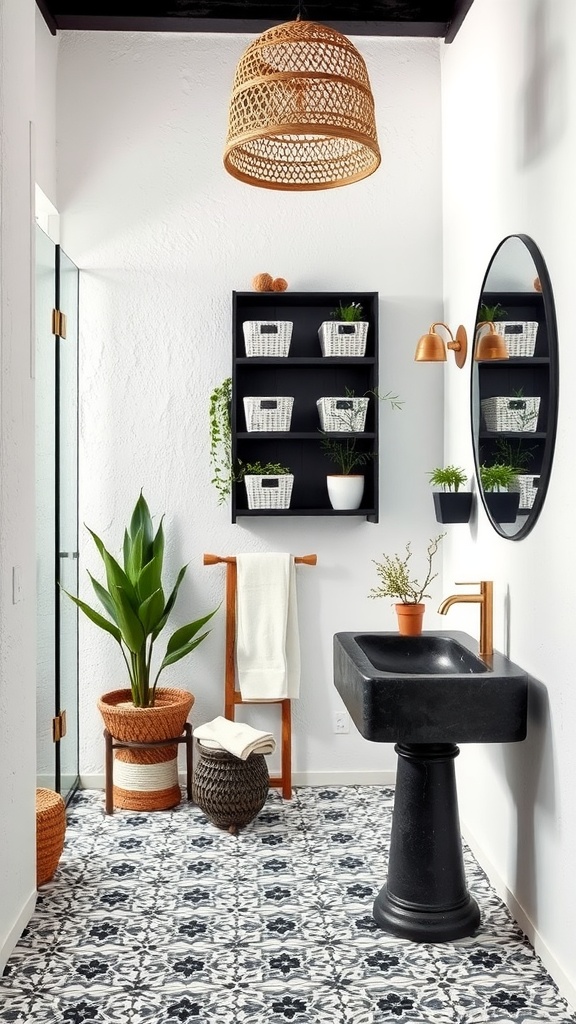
point(527, 484)
point(341, 338)
point(269, 491)
point(519, 335)
point(511, 413)
point(346, 415)
point(267, 337)
point(273, 413)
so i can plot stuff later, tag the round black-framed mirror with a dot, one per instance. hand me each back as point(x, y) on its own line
point(514, 386)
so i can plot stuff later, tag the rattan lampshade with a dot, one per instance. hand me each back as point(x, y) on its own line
point(301, 114)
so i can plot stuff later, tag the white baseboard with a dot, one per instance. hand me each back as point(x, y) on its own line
point(566, 985)
point(383, 778)
point(15, 932)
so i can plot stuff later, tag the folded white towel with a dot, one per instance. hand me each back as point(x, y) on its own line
point(235, 737)
point(267, 641)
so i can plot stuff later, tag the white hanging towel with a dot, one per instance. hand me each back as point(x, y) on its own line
point(267, 641)
point(235, 737)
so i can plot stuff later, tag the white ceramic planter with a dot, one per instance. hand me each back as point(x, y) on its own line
point(345, 491)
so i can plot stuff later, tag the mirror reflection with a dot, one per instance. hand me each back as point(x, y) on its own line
point(514, 386)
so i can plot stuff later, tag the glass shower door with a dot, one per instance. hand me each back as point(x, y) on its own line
point(56, 373)
point(45, 392)
point(67, 521)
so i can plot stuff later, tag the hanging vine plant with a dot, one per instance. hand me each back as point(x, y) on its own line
point(221, 439)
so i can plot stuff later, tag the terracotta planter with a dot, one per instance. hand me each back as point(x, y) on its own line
point(146, 779)
point(410, 618)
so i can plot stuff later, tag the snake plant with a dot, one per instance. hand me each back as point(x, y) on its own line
point(136, 605)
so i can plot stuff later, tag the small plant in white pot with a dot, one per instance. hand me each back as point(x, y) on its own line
point(396, 582)
point(451, 504)
point(346, 488)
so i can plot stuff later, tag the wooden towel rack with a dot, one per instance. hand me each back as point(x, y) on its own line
point(232, 696)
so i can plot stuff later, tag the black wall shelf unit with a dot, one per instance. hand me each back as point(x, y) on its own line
point(306, 375)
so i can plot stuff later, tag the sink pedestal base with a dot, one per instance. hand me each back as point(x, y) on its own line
point(425, 897)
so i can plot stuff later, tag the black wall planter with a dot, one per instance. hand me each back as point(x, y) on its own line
point(502, 505)
point(452, 506)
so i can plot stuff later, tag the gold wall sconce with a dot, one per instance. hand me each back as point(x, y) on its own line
point(432, 349)
point(490, 345)
point(301, 114)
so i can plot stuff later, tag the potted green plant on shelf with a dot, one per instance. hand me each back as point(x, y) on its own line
point(346, 332)
point(488, 314)
point(394, 573)
point(268, 485)
point(497, 481)
point(346, 488)
point(451, 504)
point(137, 609)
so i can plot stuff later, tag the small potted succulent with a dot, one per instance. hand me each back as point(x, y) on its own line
point(451, 504)
point(497, 481)
point(345, 333)
point(396, 582)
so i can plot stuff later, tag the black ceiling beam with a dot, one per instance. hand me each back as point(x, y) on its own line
point(114, 23)
point(461, 8)
point(48, 18)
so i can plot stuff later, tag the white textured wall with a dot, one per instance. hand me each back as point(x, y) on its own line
point(163, 235)
point(509, 82)
point(17, 648)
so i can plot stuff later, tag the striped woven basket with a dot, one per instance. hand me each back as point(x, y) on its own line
point(146, 779)
point(50, 833)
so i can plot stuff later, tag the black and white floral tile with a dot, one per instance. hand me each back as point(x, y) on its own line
point(163, 918)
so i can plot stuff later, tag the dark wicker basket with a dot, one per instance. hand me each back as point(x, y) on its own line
point(229, 791)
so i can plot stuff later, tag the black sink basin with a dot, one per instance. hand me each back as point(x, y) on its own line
point(428, 654)
point(432, 688)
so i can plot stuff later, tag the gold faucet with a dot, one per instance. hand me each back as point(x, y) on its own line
point(486, 602)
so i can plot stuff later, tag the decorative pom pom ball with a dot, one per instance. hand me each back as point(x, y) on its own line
point(262, 283)
point(279, 284)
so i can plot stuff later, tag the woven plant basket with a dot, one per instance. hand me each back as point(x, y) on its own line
point(50, 833)
point(230, 791)
point(146, 779)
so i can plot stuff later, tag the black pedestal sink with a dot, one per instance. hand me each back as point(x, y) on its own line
point(426, 694)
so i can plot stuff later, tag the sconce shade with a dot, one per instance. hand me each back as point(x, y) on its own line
point(301, 113)
point(491, 345)
point(431, 347)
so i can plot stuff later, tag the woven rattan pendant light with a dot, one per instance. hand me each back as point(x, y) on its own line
point(301, 113)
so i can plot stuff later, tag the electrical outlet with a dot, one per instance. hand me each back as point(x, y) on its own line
point(341, 722)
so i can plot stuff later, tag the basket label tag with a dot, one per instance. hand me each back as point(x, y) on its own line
point(346, 329)
point(268, 328)
point(514, 329)
point(344, 404)
point(269, 482)
point(268, 403)
point(517, 403)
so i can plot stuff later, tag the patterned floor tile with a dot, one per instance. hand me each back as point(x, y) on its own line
point(161, 918)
